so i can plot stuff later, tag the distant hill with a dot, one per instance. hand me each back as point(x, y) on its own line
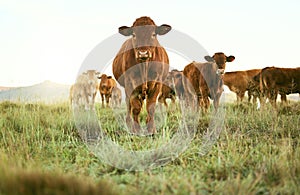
point(5, 88)
point(46, 91)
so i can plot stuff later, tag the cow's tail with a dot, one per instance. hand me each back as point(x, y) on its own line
point(264, 84)
point(261, 87)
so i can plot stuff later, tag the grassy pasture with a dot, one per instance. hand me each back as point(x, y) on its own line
point(257, 152)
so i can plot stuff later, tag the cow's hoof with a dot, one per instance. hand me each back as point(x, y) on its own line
point(136, 128)
point(133, 127)
point(151, 130)
point(151, 135)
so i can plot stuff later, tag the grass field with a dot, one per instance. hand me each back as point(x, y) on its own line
point(257, 152)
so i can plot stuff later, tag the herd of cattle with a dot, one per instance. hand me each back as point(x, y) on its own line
point(141, 67)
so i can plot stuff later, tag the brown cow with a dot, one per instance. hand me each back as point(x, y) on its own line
point(140, 66)
point(169, 88)
point(106, 86)
point(116, 97)
point(206, 79)
point(274, 80)
point(84, 91)
point(241, 81)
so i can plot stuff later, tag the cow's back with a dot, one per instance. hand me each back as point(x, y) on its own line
point(281, 78)
point(240, 80)
point(236, 81)
point(202, 76)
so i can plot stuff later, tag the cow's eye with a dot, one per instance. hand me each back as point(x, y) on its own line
point(153, 35)
point(133, 35)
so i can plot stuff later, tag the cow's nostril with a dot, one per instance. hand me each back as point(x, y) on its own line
point(143, 55)
point(143, 58)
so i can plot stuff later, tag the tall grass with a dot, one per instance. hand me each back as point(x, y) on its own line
point(257, 153)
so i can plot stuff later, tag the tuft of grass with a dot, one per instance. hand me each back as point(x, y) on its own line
point(17, 181)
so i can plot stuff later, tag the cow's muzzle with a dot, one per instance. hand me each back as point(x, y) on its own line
point(143, 55)
point(220, 71)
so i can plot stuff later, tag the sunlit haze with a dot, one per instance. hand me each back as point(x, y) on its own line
point(49, 40)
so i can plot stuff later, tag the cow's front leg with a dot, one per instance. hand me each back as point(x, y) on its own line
point(107, 96)
point(203, 104)
point(86, 104)
point(93, 101)
point(128, 115)
point(150, 117)
point(217, 101)
point(272, 97)
point(102, 99)
point(136, 105)
point(150, 105)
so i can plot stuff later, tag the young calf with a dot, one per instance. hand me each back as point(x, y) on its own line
point(106, 86)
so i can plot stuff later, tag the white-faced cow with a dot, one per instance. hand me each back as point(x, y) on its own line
point(84, 91)
point(140, 67)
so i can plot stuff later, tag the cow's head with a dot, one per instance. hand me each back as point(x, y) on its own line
point(175, 81)
point(92, 73)
point(104, 80)
point(173, 78)
point(104, 77)
point(220, 59)
point(144, 40)
point(91, 76)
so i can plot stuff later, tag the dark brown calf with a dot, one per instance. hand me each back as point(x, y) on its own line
point(274, 81)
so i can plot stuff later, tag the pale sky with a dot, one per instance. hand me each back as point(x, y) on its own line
point(49, 40)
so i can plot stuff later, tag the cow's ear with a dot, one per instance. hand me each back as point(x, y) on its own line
point(125, 30)
point(230, 58)
point(109, 77)
point(163, 29)
point(99, 77)
point(209, 58)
